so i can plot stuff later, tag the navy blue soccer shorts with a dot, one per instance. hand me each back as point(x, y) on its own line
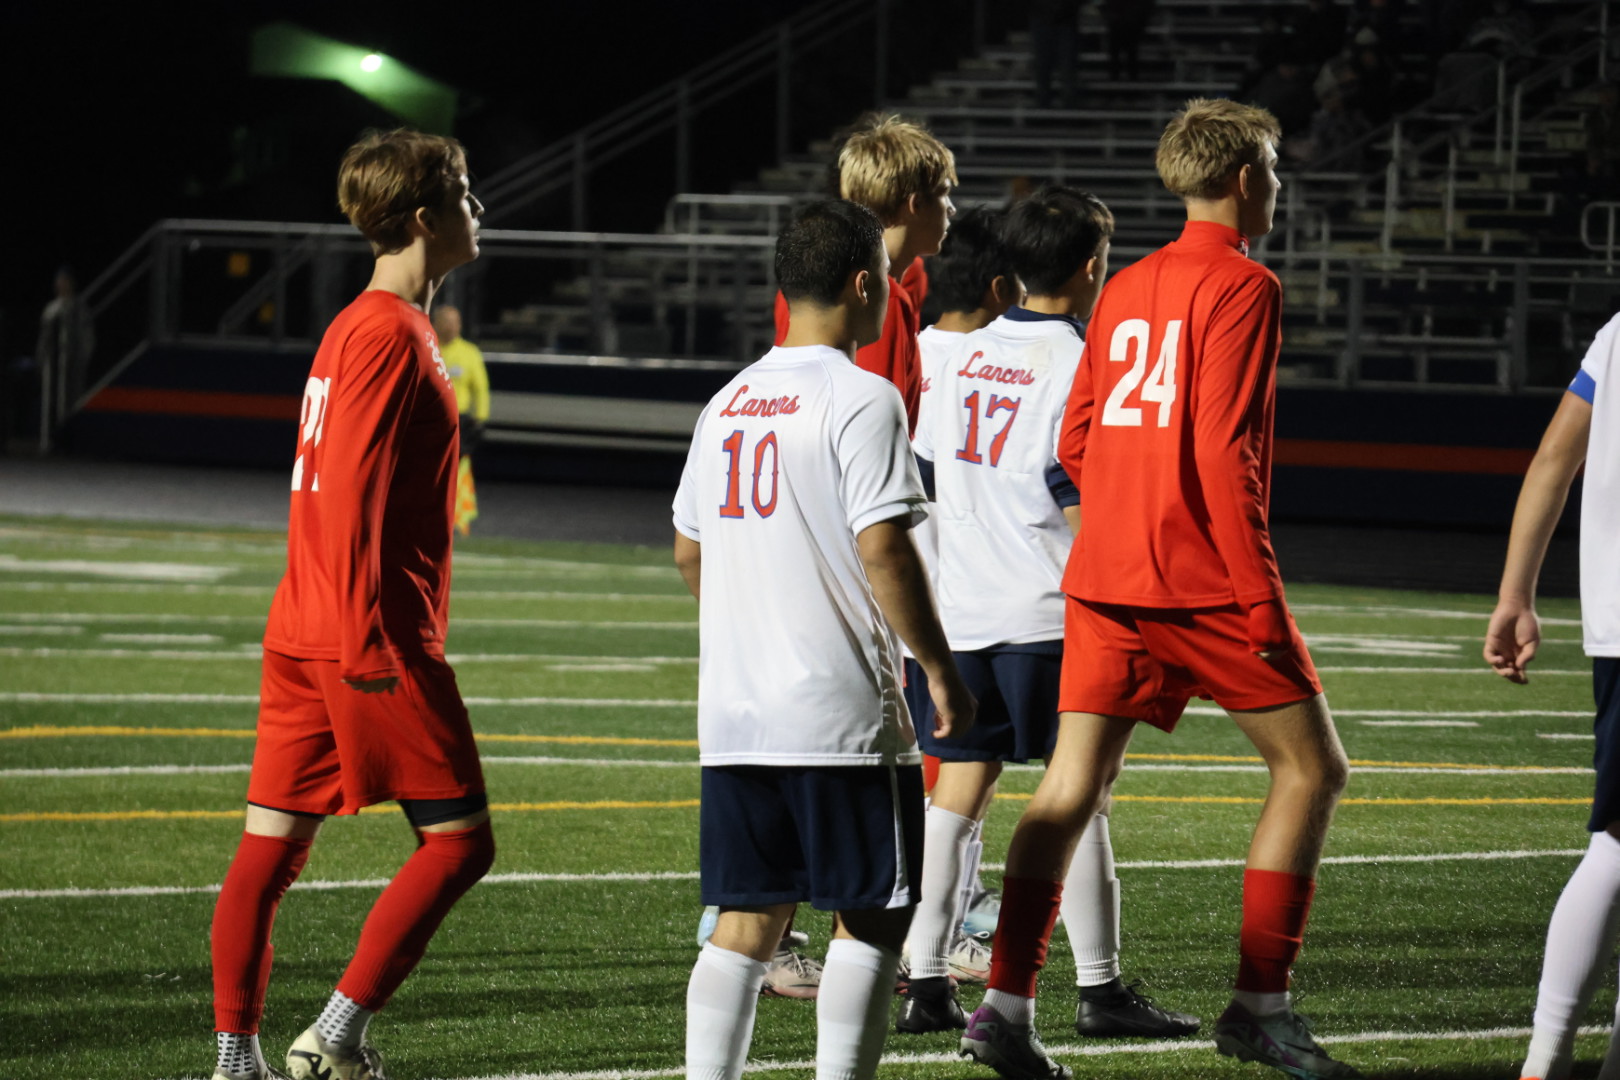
point(1017, 688)
point(844, 838)
point(918, 701)
point(1606, 753)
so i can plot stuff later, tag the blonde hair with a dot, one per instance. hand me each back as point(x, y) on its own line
point(388, 175)
point(888, 159)
point(1208, 141)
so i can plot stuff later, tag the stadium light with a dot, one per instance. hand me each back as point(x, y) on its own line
point(286, 50)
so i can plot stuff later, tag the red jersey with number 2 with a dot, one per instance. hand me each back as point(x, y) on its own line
point(373, 490)
point(1168, 430)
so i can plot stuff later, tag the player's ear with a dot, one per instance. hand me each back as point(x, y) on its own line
point(862, 283)
point(422, 220)
point(1001, 293)
point(1091, 269)
point(1245, 179)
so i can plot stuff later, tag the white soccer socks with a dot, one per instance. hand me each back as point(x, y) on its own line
point(1580, 937)
point(852, 1010)
point(721, 998)
point(238, 1055)
point(945, 841)
point(343, 1022)
point(1091, 907)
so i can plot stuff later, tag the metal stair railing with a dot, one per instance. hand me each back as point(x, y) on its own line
point(568, 162)
point(1610, 244)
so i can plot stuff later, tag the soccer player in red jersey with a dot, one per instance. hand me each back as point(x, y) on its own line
point(904, 175)
point(356, 704)
point(1173, 591)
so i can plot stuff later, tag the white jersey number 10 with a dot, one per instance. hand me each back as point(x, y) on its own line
point(765, 448)
point(1131, 339)
point(311, 424)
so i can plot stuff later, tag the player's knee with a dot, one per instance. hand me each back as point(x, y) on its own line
point(470, 853)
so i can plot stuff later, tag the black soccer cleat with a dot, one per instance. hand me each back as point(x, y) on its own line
point(1128, 1013)
point(930, 1005)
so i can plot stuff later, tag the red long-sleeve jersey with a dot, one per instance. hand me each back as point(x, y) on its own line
point(373, 490)
point(894, 355)
point(1168, 430)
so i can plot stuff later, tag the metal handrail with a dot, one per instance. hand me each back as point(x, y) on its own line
point(1611, 242)
point(570, 160)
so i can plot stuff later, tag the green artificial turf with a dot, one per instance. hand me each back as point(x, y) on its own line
point(579, 664)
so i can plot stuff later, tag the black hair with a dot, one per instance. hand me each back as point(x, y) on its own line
point(826, 242)
point(974, 255)
point(1052, 234)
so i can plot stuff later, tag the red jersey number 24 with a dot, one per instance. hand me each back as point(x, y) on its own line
point(1130, 345)
point(311, 423)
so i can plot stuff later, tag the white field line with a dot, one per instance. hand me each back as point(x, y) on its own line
point(524, 878)
point(1419, 723)
point(162, 639)
point(33, 631)
point(99, 588)
point(252, 652)
point(139, 571)
point(48, 698)
point(1059, 1050)
point(67, 772)
point(1480, 670)
point(1214, 710)
point(1563, 735)
point(33, 698)
point(1385, 611)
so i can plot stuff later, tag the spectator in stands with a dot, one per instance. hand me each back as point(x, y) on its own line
point(1127, 22)
point(1054, 32)
point(1375, 82)
point(1383, 18)
point(1602, 124)
point(1272, 46)
point(465, 362)
point(67, 337)
point(1285, 92)
point(1332, 142)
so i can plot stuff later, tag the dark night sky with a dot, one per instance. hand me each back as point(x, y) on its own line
point(127, 112)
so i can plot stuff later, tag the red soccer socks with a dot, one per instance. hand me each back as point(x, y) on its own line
point(260, 873)
point(1029, 911)
point(410, 909)
point(1275, 907)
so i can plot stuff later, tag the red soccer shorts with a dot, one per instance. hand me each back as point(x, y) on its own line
point(1146, 663)
point(326, 748)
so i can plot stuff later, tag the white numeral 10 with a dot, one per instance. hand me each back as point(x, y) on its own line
point(1131, 344)
point(311, 423)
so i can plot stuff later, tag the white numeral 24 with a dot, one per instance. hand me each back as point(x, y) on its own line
point(1131, 343)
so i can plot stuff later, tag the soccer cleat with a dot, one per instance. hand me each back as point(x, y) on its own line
point(791, 974)
point(1013, 1050)
point(969, 961)
point(1131, 1014)
point(1282, 1040)
point(930, 1005)
point(313, 1058)
point(982, 912)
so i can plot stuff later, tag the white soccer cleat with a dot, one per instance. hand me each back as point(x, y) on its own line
point(313, 1058)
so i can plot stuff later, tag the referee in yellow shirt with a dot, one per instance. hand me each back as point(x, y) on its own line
point(465, 362)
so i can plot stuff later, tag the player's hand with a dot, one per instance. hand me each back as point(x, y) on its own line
point(1269, 632)
point(1511, 640)
point(384, 685)
point(954, 705)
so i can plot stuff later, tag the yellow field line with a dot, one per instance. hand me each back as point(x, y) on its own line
point(689, 804)
point(53, 731)
point(181, 815)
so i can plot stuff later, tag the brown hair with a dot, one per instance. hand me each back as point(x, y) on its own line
point(887, 159)
point(388, 175)
point(1210, 140)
